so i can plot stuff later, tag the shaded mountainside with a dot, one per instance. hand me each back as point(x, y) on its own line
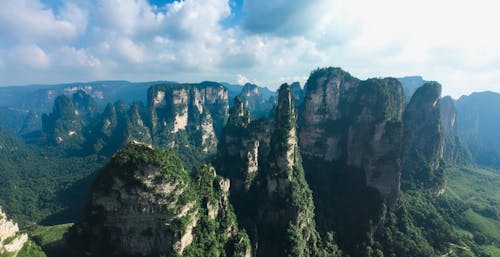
point(455, 152)
point(350, 136)
point(411, 84)
point(423, 140)
point(143, 203)
point(478, 124)
point(258, 101)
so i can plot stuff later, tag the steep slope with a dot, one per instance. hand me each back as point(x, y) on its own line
point(455, 153)
point(116, 126)
point(285, 218)
point(478, 124)
point(143, 203)
point(184, 115)
point(350, 135)
point(65, 124)
point(423, 141)
point(258, 101)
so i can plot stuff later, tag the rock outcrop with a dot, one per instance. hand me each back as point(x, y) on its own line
point(297, 93)
point(350, 135)
point(357, 124)
point(455, 152)
point(256, 102)
point(285, 216)
point(118, 125)
point(374, 135)
point(423, 141)
point(11, 240)
point(478, 124)
point(198, 111)
point(65, 124)
point(143, 203)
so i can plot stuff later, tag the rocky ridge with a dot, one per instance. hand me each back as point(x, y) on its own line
point(143, 203)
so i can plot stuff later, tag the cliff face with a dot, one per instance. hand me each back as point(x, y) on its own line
point(375, 133)
point(297, 93)
point(256, 102)
point(323, 113)
point(143, 203)
point(118, 125)
point(286, 212)
point(423, 141)
point(11, 240)
point(478, 124)
point(199, 111)
point(350, 134)
point(455, 151)
point(65, 123)
point(357, 124)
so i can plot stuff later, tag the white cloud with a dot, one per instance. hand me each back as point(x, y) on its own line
point(29, 57)
point(242, 80)
point(454, 42)
point(28, 21)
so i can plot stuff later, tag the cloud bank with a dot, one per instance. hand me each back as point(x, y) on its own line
point(267, 42)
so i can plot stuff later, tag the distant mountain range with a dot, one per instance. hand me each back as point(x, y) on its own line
point(339, 167)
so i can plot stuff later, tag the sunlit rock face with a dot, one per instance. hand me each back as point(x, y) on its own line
point(139, 205)
point(11, 240)
point(144, 203)
point(198, 111)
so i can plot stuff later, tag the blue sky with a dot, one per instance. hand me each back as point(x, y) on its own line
point(261, 41)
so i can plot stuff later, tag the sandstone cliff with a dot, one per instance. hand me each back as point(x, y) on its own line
point(11, 240)
point(350, 134)
point(65, 124)
point(187, 114)
point(143, 203)
point(257, 102)
point(285, 215)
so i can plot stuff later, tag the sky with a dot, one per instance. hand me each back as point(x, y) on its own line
point(265, 42)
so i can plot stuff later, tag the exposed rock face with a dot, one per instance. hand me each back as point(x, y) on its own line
point(188, 108)
point(374, 135)
point(478, 124)
point(237, 148)
point(143, 203)
point(286, 212)
point(357, 124)
point(423, 140)
point(64, 124)
point(327, 93)
point(11, 240)
point(297, 93)
point(350, 135)
point(256, 102)
point(454, 151)
point(84, 103)
point(118, 125)
point(140, 205)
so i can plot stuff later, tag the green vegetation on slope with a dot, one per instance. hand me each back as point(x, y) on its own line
point(41, 185)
